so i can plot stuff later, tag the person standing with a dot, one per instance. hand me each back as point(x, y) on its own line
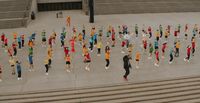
point(46, 64)
point(12, 64)
point(127, 65)
point(30, 59)
point(23, 39)
point(14, 46)
point(68, 63)
point(99, 46)
point(19, 70)
point(157, 58)
point(171, 52)
point(107, 57)
point(164, 46)
point(19, 40)
point(137, 59)
point(44, 38)
point(193, 45)
point(87, 60)
point(188, 54)
point(0, 73)
point(68, 21)
point(136, 30)
point(177, 46)
point(150, 51)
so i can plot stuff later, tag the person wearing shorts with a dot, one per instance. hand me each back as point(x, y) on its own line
point(46, 64)
point(137, 59)
point(12, 64)
point(68, 62)
point(107, 57)
point(87, 60)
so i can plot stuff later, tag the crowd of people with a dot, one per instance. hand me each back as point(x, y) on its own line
point(106, 37)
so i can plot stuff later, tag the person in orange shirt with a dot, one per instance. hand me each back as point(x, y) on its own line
point(68, 62)
point(68, 21)
point(80, 38)
point(14, 36)
point(107, 56)
point(137, 59)
point(177, 46)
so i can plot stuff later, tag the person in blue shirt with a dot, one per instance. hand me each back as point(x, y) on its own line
point(30, 59)
point(19, 40)
point(19, 70)
point(95, 39)
point(62, 40)
point(156, 45)
point(171, 52)
point(91, 44)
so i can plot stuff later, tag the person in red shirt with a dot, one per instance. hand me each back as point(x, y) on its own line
point(193, 45)
point(145, 44)
point(87, 60)
point(150, 31)
point(164, 46)
point(72, 44)
point(2, 39)
point(66, 50)
point(176, 33)
point(6, 42)
point(113, 38)
point(157, 58)
point(14, 46)
point(50, 41)
point(123, 45)
point(188, 54)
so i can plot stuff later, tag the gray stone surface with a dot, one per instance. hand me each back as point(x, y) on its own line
point(79, 77)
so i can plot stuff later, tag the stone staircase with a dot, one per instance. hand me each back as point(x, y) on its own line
point(14, 13)
point(145, 6)
point(179, 90)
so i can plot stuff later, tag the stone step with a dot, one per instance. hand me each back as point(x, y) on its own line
point(17, 14)
point(161, 88)
point(145, 6)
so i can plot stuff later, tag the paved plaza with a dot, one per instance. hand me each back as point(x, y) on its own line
point(98, 76)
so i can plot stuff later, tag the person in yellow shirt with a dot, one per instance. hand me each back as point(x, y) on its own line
point(157, 35)
point(99, 46)
point(68, 62)
point(46, 64)
point(177, 46)
point(80, 38)
point(137, 59)
point(107, 56)
point(68, 21)
point(12, 64)
point(166, 34)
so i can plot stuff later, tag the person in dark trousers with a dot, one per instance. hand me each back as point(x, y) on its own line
point(19, 70)
point(127, 65)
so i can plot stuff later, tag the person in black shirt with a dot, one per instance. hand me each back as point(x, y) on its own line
point(127, 65)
